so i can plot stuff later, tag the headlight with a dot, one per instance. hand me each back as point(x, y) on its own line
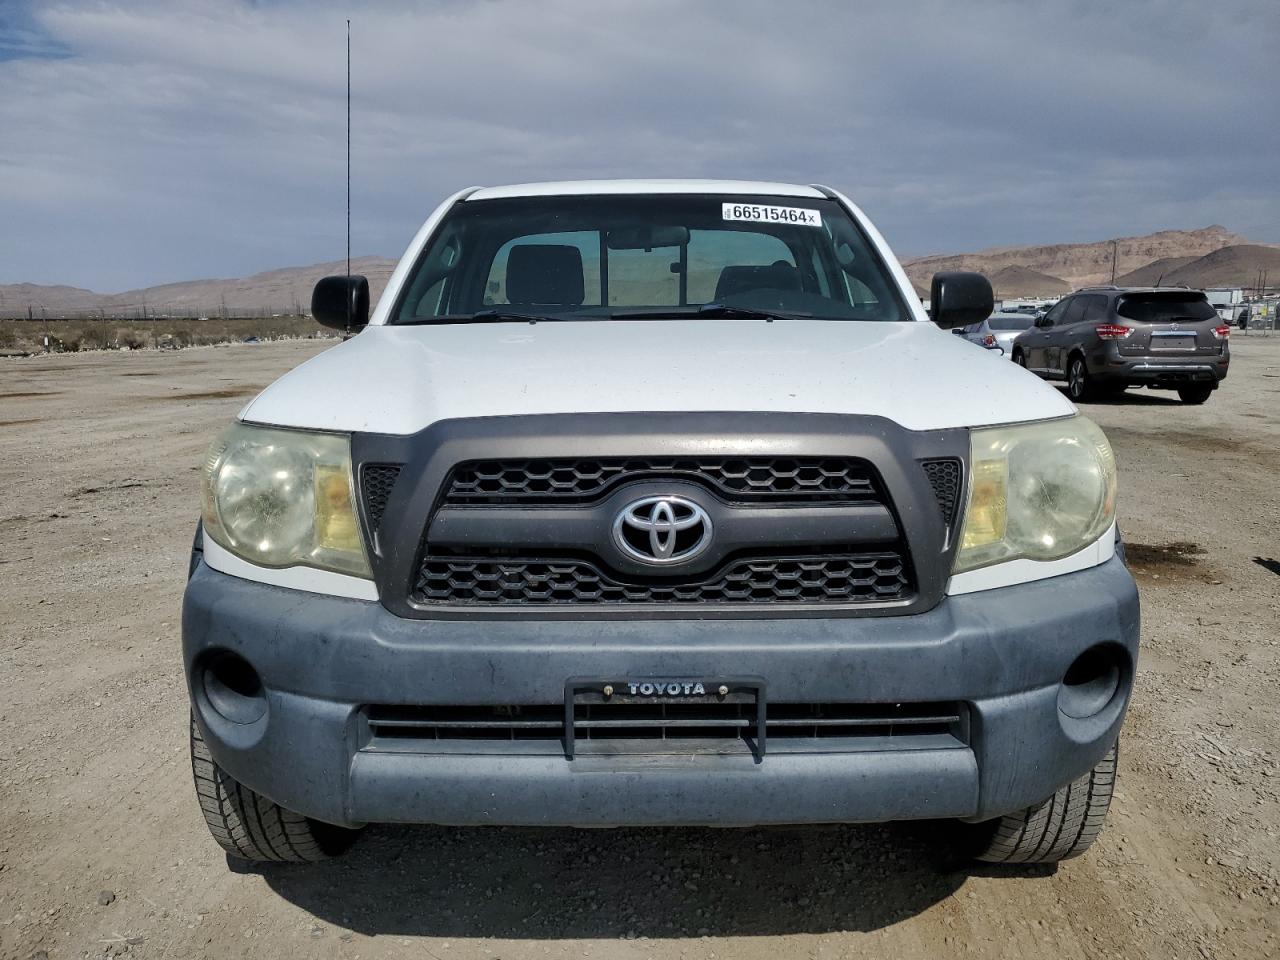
point(280, 498)
point(1040, 491)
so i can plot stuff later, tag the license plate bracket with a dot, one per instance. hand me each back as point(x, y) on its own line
point(591, 691)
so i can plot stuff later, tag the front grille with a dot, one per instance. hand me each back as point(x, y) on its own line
point(376, 481)
point(848, 578)
point(945, 474)
point(569, 480)
point(421, 726)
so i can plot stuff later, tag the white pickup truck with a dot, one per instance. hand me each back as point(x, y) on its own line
point(656, 502)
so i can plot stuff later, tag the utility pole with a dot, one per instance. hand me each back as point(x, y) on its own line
point(1115, 249)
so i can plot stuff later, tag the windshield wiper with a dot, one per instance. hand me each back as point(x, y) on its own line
point(713, 311)
point(482, 316)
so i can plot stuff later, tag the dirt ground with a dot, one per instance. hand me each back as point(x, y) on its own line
point(103, 851)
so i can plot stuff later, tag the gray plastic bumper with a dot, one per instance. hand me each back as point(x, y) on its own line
point(1002, 652)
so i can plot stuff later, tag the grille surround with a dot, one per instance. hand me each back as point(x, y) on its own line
point(430, 454)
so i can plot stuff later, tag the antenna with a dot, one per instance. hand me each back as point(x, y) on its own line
point(348, 298)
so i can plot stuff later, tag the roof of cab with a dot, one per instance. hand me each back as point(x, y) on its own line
point(568, 188)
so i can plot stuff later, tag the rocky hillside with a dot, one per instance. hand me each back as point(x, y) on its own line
point(1078, 264)
point(277, 291)
point(1235, 266)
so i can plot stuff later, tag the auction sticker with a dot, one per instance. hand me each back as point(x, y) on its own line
point(762, 214)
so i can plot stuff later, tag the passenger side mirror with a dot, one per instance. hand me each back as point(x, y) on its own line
point(341, 303)
point(959, 299)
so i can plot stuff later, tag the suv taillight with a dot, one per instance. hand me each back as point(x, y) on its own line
point(1112, 331)
point(989, 340)
point(1222, 332)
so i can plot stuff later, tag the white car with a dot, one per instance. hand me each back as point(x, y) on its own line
point(998, 331)
point(650, 503)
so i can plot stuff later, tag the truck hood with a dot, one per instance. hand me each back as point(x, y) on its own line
point(399, 380)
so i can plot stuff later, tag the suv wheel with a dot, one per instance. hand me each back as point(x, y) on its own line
point(1020, 358)
point(1062, 827)
point(1079, 385)
point(249, 826)
point(1197, 394)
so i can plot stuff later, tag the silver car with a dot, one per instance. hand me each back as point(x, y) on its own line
point(998, 331)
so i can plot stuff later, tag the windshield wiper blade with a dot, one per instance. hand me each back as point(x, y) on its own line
point(482, 316)
point(713, 311)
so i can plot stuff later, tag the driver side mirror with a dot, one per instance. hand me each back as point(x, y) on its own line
point(958, 299)
point(341, 303)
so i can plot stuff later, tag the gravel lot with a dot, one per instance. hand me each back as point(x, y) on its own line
point(103, 852)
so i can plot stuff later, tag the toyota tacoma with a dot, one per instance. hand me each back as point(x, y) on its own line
point(650, 503)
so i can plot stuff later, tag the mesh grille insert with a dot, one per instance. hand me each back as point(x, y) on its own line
point(848, 578)
point(376, 481)
point(559, 480)
point(944, 476)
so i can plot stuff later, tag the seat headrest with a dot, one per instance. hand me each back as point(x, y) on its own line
point(545, 274)
point(740, 279)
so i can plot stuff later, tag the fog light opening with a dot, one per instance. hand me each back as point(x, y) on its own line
point(233, 688)
point(1091, 682)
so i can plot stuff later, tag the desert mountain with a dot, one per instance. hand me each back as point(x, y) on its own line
point(276, 291)
point(1154, 272)
point(1018, 281)
point(1235, 266)
point(1078, 264)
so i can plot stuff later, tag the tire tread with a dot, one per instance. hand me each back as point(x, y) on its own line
point(1059, 828)
point(244, 823)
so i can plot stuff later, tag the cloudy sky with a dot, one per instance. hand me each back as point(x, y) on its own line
point(144, 142)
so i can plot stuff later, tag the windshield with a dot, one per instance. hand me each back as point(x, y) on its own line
point(1165, 307)
point(608, 257)
point(1006, 321)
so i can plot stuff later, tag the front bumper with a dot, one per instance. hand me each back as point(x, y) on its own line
point(1003, 653)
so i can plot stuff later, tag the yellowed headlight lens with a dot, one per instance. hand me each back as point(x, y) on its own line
point(988, 504)
point(282, 498)
point(1037, 491)
point(336, 527)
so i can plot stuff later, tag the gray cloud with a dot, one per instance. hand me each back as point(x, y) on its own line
point(169, 140)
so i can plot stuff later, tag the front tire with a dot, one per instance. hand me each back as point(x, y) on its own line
point(1020, 359)
point(249, 826)
point(1194, 395)
point(1062, 827)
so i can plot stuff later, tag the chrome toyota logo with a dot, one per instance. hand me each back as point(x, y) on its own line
point(662, 530)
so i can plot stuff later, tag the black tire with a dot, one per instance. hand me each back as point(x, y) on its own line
point(1020, 359)
point(1194, 395)
point(1062, 827)
point(249, 826)
point(1080, 386)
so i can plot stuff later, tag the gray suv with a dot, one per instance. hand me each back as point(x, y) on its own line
point(1101, 340)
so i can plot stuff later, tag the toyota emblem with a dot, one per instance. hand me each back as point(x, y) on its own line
point(662, 530)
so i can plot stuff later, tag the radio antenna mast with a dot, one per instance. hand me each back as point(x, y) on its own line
point(348, 330)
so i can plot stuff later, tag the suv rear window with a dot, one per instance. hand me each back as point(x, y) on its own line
point(1165, 307)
